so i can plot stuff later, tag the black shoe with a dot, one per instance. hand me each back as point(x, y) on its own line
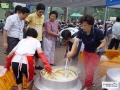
point(83, 87)
point(52, 64)
point(38, 67)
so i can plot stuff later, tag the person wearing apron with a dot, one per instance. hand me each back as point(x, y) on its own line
point(21, 58)
point(93, 40)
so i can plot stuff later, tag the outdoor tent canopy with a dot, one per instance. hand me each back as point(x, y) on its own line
point(113, 3)
point(65, 3)
point(73, 3)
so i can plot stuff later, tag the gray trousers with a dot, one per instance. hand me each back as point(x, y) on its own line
point(12, 42)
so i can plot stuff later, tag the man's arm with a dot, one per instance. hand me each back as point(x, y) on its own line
point(28, 20)
point(7, 27)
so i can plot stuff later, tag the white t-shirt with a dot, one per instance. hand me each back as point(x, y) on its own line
point(116, 30)
point(14, 26)
point(77, 41)
point(26, 46)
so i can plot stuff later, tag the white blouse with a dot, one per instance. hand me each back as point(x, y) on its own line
point(25, 47)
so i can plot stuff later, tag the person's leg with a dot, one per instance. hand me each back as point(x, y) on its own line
point(17, 74)
point(91, 62)
point(117, 44)
point(25, 73)
point(52, 54)
point(88, 72)
point(47, 45)
point(112, 43)
point(19, 86)
point(12, 42)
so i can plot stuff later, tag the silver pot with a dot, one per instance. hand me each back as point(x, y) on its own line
point(45, 84)
point(113, 75)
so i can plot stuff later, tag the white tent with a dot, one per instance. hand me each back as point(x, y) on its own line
point(76, 15)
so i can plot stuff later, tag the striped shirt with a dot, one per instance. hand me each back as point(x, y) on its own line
point(14, 26)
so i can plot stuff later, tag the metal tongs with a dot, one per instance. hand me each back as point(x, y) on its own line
point(66, 67)
point(66, 64)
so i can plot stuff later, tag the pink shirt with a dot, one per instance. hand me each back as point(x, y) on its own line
point(53, 26)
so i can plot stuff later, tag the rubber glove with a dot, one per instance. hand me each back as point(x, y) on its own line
point(100, 51)
point(44, 59)
point(8, 62)
point(48, 68)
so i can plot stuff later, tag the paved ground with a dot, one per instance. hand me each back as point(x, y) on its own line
point(2, 55)
point(59, 60)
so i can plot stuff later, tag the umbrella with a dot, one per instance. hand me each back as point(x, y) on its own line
point(76, 15)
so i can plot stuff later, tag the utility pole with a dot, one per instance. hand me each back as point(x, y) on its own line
point(65, 14)
point(88, 10)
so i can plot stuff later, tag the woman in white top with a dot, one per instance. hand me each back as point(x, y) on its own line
point(116, 35)
point(68, 35)
point(21, 57)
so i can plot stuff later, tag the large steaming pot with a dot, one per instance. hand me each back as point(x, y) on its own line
point(43, 83)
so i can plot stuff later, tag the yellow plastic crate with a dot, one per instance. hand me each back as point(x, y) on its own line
point(10, 77)
point(112, 53)
point(103, 67)
point(2, 85)
point(116, 60)
point(5, 80)
point(25, 83)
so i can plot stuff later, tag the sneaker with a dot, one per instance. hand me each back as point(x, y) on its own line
point(52, 64)
point(93, 85)
point(86, 88)
point(83, 87)
point(38, 67)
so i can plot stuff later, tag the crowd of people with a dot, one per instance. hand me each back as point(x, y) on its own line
point(27, 38)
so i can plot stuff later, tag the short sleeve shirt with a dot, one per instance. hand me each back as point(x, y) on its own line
point(26, 46)
point(116, 28)
point(36, 22)
point(92, 41)
point(14, 26)
point(53, 26)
